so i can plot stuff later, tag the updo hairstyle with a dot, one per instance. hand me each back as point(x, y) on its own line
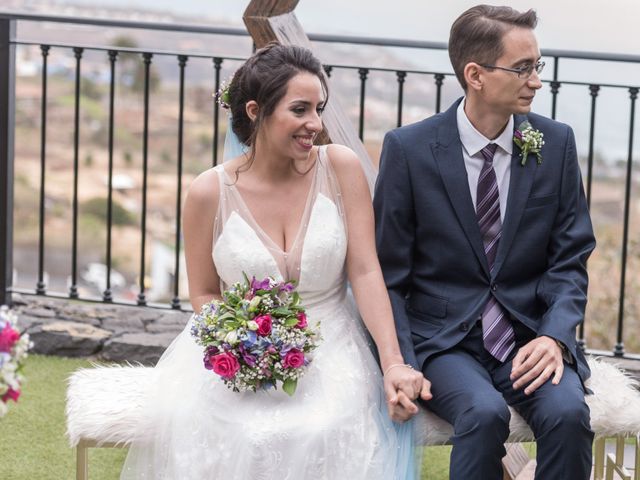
point(264, 78)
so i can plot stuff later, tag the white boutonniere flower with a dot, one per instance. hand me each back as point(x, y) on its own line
point(529, 140)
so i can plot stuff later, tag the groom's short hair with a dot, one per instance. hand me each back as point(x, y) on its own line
point(476, 35)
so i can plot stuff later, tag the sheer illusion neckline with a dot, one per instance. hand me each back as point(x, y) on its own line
point(302, 221)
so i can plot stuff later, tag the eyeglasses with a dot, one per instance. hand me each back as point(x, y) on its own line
point(524, 71)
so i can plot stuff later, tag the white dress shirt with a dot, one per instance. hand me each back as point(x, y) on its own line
point(472, 144)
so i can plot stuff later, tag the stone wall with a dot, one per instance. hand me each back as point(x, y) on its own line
point(118, 333)
point(99, 331)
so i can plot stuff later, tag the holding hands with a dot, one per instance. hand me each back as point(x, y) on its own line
point(403, 385)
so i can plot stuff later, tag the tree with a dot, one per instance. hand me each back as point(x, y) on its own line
point(132, 67)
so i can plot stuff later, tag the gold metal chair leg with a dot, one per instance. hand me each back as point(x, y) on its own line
point(616, 463)
point(636, 471)
point(598, 454)
point(82, 462)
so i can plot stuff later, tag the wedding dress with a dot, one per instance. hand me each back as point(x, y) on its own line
point(336, 424)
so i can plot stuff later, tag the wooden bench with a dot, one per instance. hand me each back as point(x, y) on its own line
point(105, 405)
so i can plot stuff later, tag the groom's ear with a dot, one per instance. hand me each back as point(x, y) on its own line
point(473, 76)
point(251, 107)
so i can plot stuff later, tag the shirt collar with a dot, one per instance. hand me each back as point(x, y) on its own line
point(473, 141)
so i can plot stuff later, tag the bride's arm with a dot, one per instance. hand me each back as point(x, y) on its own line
point(366, 278)
point(199, 212)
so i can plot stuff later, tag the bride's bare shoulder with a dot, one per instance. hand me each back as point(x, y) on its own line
point(345, 162)
point(204, 191)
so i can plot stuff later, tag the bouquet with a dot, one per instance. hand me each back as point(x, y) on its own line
point(257, 336)
point(13, 352)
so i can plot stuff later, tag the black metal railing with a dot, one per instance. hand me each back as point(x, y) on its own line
point(439, 81)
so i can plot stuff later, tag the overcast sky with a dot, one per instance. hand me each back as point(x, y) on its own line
point(595, 25)
point(611, 26)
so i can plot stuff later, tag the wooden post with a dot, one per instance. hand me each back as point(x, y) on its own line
point(274, 20)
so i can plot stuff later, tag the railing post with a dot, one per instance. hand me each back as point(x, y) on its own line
point(7, 116)
point(400, 77)
point(364, 72)
point(217, 66)
point(439, 81)
point(555, 87)
point(618, 351)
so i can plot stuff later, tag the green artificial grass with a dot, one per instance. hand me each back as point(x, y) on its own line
point(435, 463)
point(32, 434)
point(33, 444)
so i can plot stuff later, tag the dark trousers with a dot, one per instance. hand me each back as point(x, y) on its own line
point(471, 390)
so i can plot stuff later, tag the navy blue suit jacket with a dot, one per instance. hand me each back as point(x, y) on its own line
point(431, 250)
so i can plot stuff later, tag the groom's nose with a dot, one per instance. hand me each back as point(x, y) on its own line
point(534, 81)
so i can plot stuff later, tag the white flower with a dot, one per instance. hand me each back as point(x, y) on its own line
point(253, 304)
point(529, 140)
point(231, 338)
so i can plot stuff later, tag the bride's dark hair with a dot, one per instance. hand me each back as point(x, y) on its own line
point(264, 78)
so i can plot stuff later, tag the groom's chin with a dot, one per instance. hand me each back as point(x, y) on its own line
point(524, 105)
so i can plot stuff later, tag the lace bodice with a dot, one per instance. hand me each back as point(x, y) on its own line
point(317, 256)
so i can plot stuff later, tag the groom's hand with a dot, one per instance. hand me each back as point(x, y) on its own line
point(401, 388)
point(401, 408)
point(535, 363)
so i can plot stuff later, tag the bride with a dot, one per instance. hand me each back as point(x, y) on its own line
point(290, 210)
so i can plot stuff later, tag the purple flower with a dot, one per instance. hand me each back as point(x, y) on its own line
point(285, 349)
point(210, 352)
point(260, 284)
point(287, 287)
point(518, 134)
point(247, 357)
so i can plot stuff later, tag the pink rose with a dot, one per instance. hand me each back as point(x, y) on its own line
point(264, 324)
point(8, 338)
point(225, 364)
point(302, 320)
point(11, 395)
point(293, 359)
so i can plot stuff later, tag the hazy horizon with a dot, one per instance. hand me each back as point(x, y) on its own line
point(570, 24)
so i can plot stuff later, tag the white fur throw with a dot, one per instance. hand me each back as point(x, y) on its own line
point(614, 405)
point(105, 404)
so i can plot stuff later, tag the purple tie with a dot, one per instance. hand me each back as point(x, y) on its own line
point(497, 332)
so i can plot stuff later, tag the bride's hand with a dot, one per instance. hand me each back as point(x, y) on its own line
point(403, 385)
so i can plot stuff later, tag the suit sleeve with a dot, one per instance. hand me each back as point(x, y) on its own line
point(395, 235)
point(563, 287)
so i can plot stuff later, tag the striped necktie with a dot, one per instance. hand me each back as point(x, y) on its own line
point(497, 332)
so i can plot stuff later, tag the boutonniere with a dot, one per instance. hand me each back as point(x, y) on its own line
point(529, 140)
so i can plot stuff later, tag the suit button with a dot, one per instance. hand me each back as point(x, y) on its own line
point(494, 287)
point(464, 327)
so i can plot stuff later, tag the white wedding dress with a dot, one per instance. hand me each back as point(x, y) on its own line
point(335, 426)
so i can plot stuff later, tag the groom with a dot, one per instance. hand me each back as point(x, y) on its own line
point(483, 234)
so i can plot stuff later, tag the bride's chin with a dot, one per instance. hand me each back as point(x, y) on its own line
point(301, 156)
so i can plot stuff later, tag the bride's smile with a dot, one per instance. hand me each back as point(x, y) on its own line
point(288, 133)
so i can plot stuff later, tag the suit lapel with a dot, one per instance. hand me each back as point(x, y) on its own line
point(520, 184)
point(447, 150)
